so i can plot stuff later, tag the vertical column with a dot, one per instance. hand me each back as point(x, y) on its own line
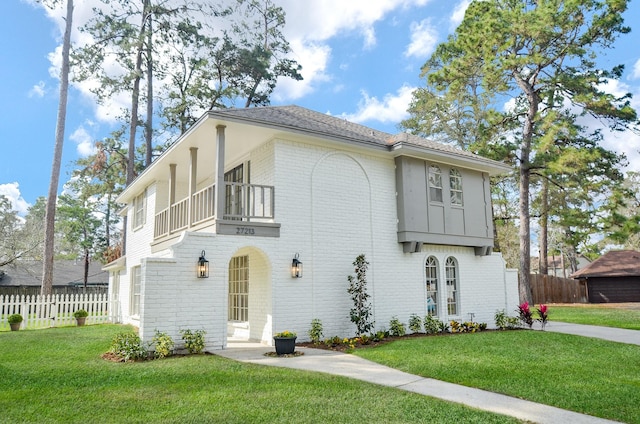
point(172, 196)
point(220, 185)
point(193, 181)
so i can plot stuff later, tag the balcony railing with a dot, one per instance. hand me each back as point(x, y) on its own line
point(243, 202)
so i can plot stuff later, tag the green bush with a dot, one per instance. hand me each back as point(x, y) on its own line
point(80, 313)
point(15, 319)
point(396, 328)
point(163, 345)
point(128, 347)
point(431, 325)
point(415, 323)
point(193, 340)
point(315, 332)
point(505, 322)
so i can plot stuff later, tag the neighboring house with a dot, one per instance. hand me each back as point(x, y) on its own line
point(25, 277)
point(613, 277)
point(254, 190)
point(558, 265)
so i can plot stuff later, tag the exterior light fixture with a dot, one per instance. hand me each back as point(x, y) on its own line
point(202, 267)
point(296, 267)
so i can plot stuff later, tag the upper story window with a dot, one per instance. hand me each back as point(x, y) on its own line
point(435, 183)
point(431, 271)
point(138, 210)
point(455, 185)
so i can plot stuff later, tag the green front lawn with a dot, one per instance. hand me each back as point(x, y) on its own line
point(58, 376)
point(585, 375)
point(593, 314)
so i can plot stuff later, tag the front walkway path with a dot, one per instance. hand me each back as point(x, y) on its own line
point(606, 333)
point(352, 366)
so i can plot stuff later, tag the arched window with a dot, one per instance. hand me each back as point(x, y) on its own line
point(451, 271)
point(431, 271)
point(455, 186)
point(435, 183)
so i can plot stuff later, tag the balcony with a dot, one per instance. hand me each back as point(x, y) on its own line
point(248, 211)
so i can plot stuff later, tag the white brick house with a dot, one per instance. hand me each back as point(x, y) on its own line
point(254, 187)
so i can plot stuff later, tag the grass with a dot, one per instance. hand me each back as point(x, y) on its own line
point(589, 376)
point(591, 314)
point(57, 376)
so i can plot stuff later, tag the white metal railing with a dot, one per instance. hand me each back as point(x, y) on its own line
point(53, 310)
point(243, 202)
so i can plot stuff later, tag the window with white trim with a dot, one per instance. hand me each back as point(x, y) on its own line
point(136, 284)
point(239, 289)
point(431, 272)
point(455, 186)
point(435, 183)
point(451, 272)
point(138, 210)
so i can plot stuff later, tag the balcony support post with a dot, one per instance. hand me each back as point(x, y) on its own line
point(219, 192)
point(193, 180)
point(172, 194)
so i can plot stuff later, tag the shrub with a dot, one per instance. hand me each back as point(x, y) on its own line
point(193, 340)
point(15, 319)
point(315, 332)
point(396, 328)
point(505, 322)
point(456, 327)
point(443, 327)
point(431, 324)
point(360, 314)
point(128, 347)
point(525, 315)
point(80, 313)
point(380, 335)
point(415, 323)
point(163, 345)
point(543, 316)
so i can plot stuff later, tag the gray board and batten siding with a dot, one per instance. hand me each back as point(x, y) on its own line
point(423, 220)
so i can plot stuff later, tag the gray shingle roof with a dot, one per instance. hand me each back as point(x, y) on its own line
point(616, 263)
point(299, 119)
point(65, 272)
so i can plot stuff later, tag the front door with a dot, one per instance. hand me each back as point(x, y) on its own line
point(238, 326)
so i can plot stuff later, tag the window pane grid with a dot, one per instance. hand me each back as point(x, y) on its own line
point(136, 276)
point(431, 270)
point(239, 289)
point(455, 185)
point(435, 183)
point(451, 271)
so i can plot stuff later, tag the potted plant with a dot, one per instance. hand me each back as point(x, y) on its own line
point(15, 320)
point(81, 316)
point(285, 342)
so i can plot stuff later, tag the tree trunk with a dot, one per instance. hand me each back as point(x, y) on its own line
point(86, 268)
point(149, 123)
point(50, 214)
point(544, 226)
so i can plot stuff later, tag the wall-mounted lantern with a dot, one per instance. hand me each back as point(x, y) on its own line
point(296, 267)
point(203, 266)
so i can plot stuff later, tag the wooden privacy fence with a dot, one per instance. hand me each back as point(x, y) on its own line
point(550, 289)
point(53, 310)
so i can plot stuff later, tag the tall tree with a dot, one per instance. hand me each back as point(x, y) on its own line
point(49, 232)
point(528, 49)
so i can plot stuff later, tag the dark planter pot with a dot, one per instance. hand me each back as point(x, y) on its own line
point(15, 326)
point(80, 321)
point(285, 345)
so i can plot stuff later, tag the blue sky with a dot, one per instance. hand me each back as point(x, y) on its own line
point(361, 59)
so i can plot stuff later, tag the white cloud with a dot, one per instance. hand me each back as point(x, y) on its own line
point(314, 58)
point(85, 145)
point(391, 109)
point(12, 192)
point(458, 13)
point(636, 70)
point(37, 90)
point(424, 38)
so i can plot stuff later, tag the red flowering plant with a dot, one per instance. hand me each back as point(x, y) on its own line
point(543, 315)
point(525, 315)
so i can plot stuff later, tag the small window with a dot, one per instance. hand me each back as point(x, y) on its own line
point(451, 271)
point(431, 270)
point(138, 211)
point(455, 184)
point(136, 280)
point(435, 184)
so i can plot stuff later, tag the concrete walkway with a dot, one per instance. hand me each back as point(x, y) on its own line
point(352, 366)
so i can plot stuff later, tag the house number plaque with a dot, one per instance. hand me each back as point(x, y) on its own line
point(245, 231)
